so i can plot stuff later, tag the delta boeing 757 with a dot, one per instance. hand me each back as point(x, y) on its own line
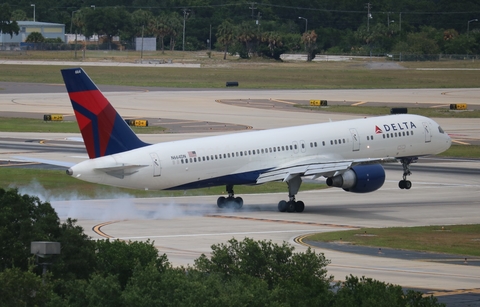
point(348, 153)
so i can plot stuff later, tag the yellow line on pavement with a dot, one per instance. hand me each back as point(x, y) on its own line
point(359, 103)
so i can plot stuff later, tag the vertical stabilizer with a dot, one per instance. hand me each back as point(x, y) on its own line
point(103, 130)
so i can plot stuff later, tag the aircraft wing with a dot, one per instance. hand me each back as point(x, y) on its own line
point(315, 168)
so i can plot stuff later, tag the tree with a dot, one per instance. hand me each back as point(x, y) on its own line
point(120, 258)
point(274, 43)
point(248, 35)
point(23, 288)
point(35, 37)
point(226, 36)
point(108, 21)
point(6, 24)
point(24, 219)
point(309, 39)
point(19, 15)
point(368, 292)
point(174, 22)
point(292, 278)
point(160, 28)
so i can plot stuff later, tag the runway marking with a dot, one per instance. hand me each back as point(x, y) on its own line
point(98, 231)
point(283, 101)
point(359, 103)
point(460, 259)
point(410, 271)
point(459, 142)
point(178, 251)
point(217, 234)
point(280, 221)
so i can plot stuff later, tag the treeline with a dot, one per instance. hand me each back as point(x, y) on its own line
point(272, 28)
point(118, 273)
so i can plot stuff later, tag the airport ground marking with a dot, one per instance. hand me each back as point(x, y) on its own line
point(280, 221)
point(98, 231)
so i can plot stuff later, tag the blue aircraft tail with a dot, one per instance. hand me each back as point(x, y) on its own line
point(103, 129)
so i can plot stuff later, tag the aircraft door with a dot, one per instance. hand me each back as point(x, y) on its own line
point(302, 146)
point(157, 168)
point(295, 147)
point(355, 139)
point(428, 134)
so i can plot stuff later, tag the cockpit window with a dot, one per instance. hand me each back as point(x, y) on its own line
point(441, 130)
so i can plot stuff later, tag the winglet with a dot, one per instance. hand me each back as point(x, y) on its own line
point(103, 130)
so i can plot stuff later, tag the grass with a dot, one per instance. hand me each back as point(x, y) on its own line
point(255, 75)
point(56, 184)
point(457, 239)
point(462, 151)
point(8, 124)
point(384, 110)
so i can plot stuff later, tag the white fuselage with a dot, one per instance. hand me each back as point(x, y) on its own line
point(241, 157)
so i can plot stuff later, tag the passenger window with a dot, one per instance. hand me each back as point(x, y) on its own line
point(323, 143)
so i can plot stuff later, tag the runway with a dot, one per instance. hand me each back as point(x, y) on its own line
point(186, 227)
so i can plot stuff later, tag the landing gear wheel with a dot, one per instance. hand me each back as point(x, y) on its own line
point(238, 203)
point(405, 184)
point(221, 201)
point(291, 206)
point(282, 206)
point(299, 206)
point(408, 184)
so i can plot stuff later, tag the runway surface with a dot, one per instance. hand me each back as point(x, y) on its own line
point(444, 191)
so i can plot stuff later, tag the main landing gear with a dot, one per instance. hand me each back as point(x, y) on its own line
point(404, 183)
point(292, 205)
point(231, 201)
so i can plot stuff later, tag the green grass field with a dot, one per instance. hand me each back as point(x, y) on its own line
point(454, 239)
point(256, 75)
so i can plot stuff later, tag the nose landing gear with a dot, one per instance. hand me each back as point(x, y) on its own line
point(404, 183)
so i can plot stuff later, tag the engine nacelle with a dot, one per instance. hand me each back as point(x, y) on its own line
point(359, 179)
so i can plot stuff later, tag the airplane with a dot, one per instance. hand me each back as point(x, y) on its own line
point(349, 154)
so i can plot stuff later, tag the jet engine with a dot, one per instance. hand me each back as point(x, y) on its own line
point(359, 179)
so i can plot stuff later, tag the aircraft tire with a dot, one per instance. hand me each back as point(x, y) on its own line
point(408, 184)
point(221, 201)
point(291, 206)
point(299, 206)
point(238, 202)
point(282, 206)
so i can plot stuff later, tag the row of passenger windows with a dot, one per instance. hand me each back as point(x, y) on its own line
point(283, 148)
point(241, 153)
point(397, 134)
